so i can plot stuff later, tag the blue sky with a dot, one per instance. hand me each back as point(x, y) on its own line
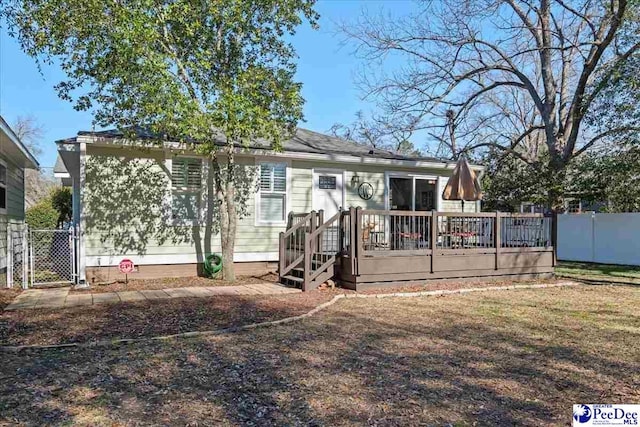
point(325, 67)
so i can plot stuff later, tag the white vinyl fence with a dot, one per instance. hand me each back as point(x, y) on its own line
point(608, 238)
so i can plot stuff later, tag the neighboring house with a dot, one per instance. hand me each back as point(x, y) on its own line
point(14, 159)
point(571, 205)
point(149, 204)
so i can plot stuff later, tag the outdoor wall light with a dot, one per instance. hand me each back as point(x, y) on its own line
point(355, 180)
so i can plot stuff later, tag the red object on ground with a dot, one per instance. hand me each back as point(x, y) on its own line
point(126, 266)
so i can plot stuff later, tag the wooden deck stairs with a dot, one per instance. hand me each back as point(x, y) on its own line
point(309, 250)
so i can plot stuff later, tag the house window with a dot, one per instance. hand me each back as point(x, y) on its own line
point(186, 188)
point(272, 200)
point(573, 206)
point(3, 187)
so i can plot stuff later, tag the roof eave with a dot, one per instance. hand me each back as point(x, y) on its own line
point(31, 160)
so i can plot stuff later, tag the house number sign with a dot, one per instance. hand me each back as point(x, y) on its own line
point(365, 191)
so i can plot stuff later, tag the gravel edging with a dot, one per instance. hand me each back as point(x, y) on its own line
point(310, 313)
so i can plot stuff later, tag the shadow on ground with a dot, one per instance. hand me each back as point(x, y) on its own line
point(500, 358)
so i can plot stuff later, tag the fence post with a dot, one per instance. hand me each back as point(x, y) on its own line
point(10, 260)
point(320, 217)
point(31, 262)
point(25, 257)
point(498, 239)
point(433, 244)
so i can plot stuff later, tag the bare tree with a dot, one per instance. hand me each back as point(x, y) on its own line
point(520, 74)
point(37, 185)
point(30, 132)
point(379, 132)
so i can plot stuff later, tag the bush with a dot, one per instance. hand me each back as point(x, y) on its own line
point(42, 216)
point(61, 202)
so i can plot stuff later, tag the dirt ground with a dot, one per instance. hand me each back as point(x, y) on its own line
point(176, 282)
point(497, 358)
point(7, 295)
point(171, 316)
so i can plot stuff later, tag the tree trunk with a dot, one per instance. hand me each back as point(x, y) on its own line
point(228, 218)
point(556, 184)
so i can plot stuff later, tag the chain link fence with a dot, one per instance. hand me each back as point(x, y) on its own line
point(51, 256)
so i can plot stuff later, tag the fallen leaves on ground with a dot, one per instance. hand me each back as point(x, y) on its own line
point(495, 358)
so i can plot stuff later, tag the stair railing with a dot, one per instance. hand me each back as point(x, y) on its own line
point(291, 242)
point(321, 248)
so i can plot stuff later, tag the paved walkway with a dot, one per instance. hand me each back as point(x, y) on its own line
point(60, 297)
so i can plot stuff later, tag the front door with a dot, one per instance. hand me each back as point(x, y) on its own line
point(327, 192)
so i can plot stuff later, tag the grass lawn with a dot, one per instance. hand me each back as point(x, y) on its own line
point(497, 358)
point(600, 272)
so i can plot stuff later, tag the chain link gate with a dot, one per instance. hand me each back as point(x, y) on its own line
point(52, 257)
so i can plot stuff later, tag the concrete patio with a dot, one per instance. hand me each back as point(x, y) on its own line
point(61, 297)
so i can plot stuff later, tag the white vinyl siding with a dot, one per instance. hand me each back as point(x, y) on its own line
point(186, 189)
point(272, 200)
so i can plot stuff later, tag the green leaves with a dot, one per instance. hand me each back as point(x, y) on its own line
point(180, 68)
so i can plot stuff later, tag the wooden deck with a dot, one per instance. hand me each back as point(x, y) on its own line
point(371, 248)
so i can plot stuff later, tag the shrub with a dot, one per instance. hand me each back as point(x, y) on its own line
point(42, 216)
point(61, 202)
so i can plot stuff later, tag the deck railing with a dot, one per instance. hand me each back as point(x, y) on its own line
point(396, 231)
point(526, 231)
point(403, 232)
point(350, 239)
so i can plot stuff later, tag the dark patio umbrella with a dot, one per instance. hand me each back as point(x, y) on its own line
point(463, 184)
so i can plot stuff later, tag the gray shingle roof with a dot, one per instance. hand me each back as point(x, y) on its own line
point(59, 167)
point(304, 141)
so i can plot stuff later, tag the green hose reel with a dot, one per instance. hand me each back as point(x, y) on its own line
point(212, 265)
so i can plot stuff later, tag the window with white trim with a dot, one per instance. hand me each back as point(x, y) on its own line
point(186, 188)
point(272, 200)
point(3, 187)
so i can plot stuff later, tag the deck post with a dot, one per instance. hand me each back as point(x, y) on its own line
point(314, 221)
point(290, 220)
point(281, 254)
point(554, 238)
point(352, 239)
point(307, 261)
point(433, 240)
point(358, 234)
point(498, 238)
point(320, 218)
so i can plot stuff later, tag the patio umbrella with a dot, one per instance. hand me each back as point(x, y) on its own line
point(463, 184)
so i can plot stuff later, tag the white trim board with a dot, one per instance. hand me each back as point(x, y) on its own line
point(166, 259)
